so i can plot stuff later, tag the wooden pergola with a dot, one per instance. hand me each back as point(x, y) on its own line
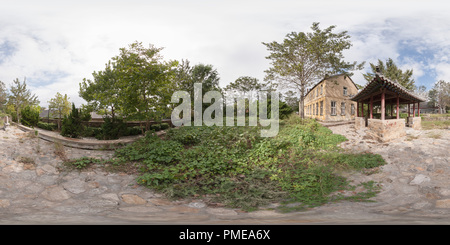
point(382, 91)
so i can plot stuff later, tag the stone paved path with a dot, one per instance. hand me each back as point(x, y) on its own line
point(35, 190)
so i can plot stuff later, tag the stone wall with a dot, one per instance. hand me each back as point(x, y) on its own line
point(415, 123)
point(386, 130)
point(360, 122)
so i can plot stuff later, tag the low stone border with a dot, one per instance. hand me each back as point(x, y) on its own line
point(83, 144)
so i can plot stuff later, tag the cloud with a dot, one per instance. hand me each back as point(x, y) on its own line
point(55, 44)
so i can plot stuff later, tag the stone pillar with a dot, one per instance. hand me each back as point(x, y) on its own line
point(398, 107)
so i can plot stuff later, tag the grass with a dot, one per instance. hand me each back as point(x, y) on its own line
point(237, 167)
point(427, 125)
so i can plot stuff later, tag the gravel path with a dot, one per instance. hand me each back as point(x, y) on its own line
point(35, 190)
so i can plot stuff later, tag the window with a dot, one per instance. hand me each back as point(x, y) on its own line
point(321, 88)
point(345, 91)
point(333, 108)
point(352, 108)
point(321, 108)
point(317, 108)
point(343, 109)
point(313, 109)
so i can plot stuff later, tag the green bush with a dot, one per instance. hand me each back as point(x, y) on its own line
point(155, 127)
point(47, 126)
point(112, 128)
point(71, 125)
point(164, 126)
point(30, 115)
point(134, 131)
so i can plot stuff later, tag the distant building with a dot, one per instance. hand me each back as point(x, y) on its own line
point(329, 100)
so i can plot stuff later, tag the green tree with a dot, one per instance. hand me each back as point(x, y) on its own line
point(71, 125)
point(186, 76)
point(3, 96)
point(245, 86)
point(30, 115)
point(62, 106)
point(104, 91)
point(146, 81)
point(391, 71)
point(20, 97)
point(440, 95)
point(303, 58)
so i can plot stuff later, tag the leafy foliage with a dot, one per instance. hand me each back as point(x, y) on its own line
point(71, 125)
point(30, 115)
point(239, 168)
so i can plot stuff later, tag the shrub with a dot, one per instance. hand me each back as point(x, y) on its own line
point(71, 125)
point(134, 131)
point(164, 126)
point(47, 126)
point(112, 128)
point(155, 127)
point(30, 115)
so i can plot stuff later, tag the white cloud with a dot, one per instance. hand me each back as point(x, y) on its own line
point(58, 43)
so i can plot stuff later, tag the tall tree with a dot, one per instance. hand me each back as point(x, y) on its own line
point(440, 95)
point(187, 75)
point(391, 71)
point(104, 91)
point(146, 81)
point(3, 96)
point(245, 86)
point(20, 97)
point(303, 58)
point(62, 106)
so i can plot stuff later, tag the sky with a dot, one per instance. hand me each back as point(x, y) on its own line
point(55, 44)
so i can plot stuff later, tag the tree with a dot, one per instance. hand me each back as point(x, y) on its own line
point(186, 76)
point(30, 115)
point(20, 97)
point(291, 100)
point(3, 96)
point(104, 91)
point(391, 71)
point(146, 81)
point(245, 86)
point(71, 125)
point(303, 58)
point(440, 95)
point(61, 104)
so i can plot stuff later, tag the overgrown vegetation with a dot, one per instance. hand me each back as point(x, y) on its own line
point(236, 167)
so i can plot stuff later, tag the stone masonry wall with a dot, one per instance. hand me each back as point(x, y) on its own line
point(359, 122)
point(416, 123)
point(386, 130)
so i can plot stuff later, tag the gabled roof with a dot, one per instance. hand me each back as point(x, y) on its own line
point(374, 87)
point(328, 78)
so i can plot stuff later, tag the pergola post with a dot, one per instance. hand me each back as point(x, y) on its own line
point(398, 106)
point(409, 110)
point(382, 105)
point(418, 109)
point(362, 109)
point(371, 107)
point(357, 108)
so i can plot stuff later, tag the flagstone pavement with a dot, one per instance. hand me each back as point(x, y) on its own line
point(34, 189)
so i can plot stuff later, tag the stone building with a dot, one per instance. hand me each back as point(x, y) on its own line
point(329, 100)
